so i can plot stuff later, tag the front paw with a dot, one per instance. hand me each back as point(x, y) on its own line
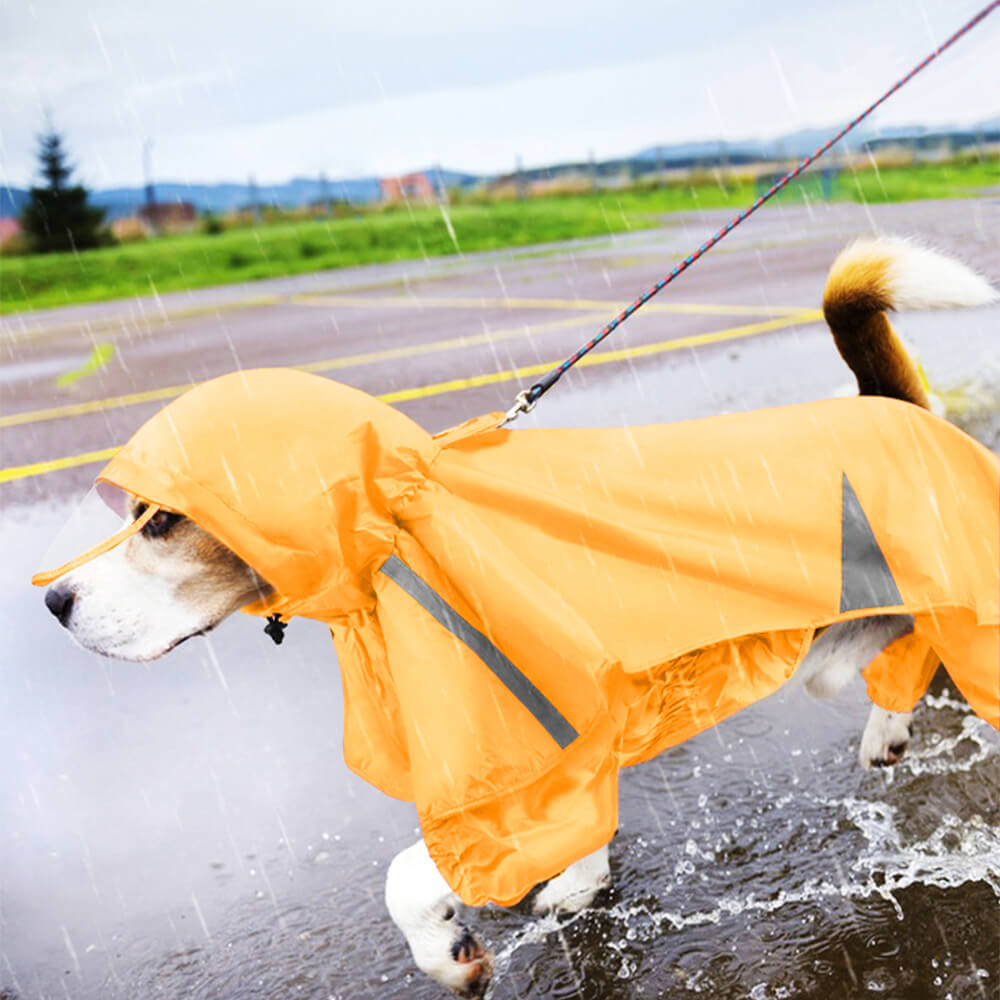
point(886, 738)
point(471, 968)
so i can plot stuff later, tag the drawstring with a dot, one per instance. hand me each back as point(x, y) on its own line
point(46, 577)
point(275, 628)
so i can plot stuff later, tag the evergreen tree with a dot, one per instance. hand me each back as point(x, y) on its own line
point(57, 216)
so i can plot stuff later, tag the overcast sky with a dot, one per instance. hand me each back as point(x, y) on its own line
point(280, 89)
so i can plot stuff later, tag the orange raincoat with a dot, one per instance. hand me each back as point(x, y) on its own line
point(519, 614)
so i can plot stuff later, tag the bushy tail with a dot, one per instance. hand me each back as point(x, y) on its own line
point(872, 276)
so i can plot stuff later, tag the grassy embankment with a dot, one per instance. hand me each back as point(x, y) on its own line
point(246, 254)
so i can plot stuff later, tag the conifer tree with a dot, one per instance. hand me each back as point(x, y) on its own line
point(58, 216)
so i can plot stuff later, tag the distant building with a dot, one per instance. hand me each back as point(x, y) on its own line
point(9, 229)
point(411, 187)
point(168, 216)
point(129, 228)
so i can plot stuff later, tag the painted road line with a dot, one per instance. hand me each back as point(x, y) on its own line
point(55, 464)
point(330, 364)
point(17, 326)
point(370, 357)
point(602, 358)
point(489, 337)
point(473, 302)
point(475, 381)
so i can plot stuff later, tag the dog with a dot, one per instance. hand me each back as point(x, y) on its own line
point(172, 580)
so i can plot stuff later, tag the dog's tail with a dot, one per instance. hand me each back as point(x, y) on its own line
point(872, 276)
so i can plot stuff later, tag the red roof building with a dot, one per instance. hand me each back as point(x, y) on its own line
point(9, 228)
point(411, 187)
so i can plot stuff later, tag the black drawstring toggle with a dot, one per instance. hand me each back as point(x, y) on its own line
point(275, 628)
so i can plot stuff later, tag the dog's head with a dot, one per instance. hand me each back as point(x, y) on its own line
point(166, 583)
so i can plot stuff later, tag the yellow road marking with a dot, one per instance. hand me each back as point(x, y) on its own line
point(474, 381)
point(99, 357)
point(603, 358)
point(17, 326)
point(93, 406)
point(55, 464)
point(613, 307)
point(331, 364)
point(395, 353)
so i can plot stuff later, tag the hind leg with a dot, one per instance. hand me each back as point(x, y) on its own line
point(575, 888)
point(843, 650)
point(838, 655)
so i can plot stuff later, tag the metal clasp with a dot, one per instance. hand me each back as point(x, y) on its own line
point(522, 404)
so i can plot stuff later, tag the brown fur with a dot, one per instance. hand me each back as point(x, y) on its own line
point(220, 575)
point(855, 302)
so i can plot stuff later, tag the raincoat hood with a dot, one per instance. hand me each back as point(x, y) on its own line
point(519, 614)
point(297, 474)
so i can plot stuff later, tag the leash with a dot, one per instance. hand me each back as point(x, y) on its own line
point(527, 398)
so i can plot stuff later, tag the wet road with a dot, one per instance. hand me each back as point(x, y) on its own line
point(188, 828)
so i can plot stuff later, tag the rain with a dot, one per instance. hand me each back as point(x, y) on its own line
point(188, 827)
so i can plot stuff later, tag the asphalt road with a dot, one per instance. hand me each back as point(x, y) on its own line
point(188, 829)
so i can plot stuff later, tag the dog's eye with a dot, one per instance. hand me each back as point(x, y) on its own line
point(159, 524)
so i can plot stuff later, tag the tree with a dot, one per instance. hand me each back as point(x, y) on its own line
point(58, 216)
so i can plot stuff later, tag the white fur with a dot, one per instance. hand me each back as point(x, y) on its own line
point(885, 730)
point(921, 278)
point(424, 908)
point(844, 649)
point(131, 615)
point(145, 596)
point(575, 888)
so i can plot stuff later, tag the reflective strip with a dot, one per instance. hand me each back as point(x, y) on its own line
point(526, 693)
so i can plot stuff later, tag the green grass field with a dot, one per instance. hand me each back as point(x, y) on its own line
point(199, 260)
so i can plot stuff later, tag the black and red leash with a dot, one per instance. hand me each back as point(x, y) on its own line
point(526, 399)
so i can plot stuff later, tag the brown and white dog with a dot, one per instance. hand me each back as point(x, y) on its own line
point(173, 580)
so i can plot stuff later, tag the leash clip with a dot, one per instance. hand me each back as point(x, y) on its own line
point(522, 404)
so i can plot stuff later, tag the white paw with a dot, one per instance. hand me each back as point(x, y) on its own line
point(424, 908)
point(575, 888)
point(885, 739)
point(450, 953)
point(466, 968)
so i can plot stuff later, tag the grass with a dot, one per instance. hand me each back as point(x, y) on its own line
point(198, 260)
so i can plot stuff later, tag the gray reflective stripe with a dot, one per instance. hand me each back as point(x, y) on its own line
point(865, 578)
point(512, 678)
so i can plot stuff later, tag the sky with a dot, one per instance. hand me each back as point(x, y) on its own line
point(224, 90)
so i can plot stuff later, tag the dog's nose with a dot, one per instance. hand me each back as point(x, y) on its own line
point(59, 601)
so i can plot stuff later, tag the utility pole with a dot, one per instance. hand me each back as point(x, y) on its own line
point(147, 172)
point(442, 192)
point(324, 194)
point(254, 204)
point(522, 187)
